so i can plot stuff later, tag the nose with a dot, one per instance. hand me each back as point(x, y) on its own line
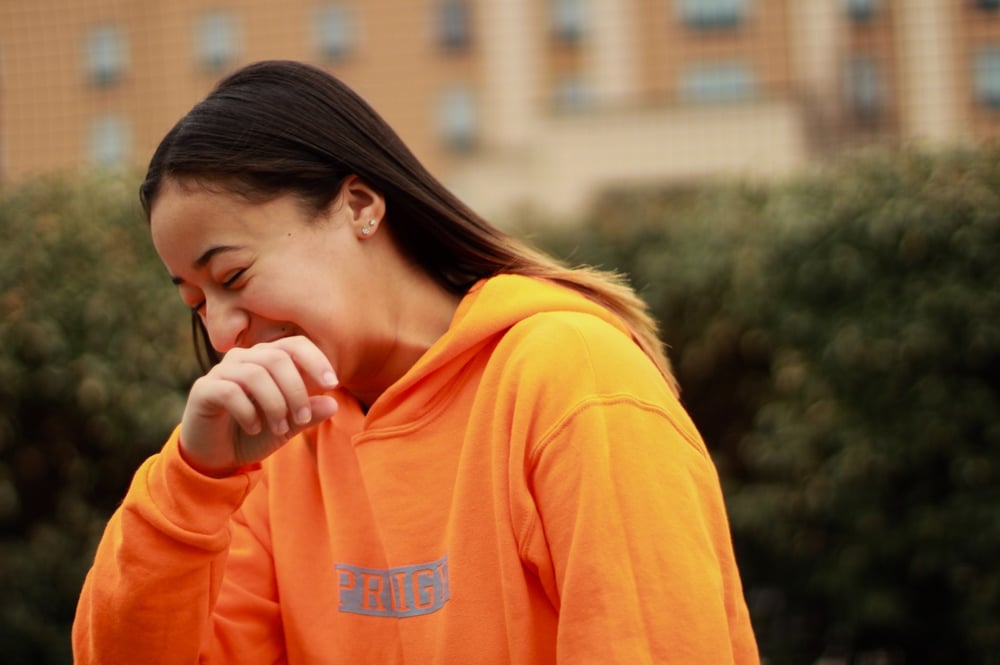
point(225, 323)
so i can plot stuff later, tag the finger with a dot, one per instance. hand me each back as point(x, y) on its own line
point(286, 375)
point(209, 396)
point(260, 388)
point(322, 407)
point(310, 359)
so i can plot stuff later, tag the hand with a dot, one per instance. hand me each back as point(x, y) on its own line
point(253, 402)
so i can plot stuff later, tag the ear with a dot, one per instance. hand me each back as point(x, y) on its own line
point(365, 206)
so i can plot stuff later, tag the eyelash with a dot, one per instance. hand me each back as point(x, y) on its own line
point(226, 284)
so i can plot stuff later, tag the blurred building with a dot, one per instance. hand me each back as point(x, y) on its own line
point(519, 102)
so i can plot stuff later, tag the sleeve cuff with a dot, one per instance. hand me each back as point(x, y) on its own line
point(189, 500)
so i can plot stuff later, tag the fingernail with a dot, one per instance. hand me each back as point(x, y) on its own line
point(254, 428)
point(282, 427)
point(303, 416)
point(329, 380)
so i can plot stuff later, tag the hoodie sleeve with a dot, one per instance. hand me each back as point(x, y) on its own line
point(628, 522)
point(178, 575)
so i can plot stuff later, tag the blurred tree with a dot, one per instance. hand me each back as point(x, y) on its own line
point(875, 458)
point(94, 360)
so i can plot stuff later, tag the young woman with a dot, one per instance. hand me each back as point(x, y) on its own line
point(416, 440)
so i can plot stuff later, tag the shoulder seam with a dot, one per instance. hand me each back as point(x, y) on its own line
point(596, 401)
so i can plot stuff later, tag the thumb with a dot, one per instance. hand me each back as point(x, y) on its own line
point(322, 407)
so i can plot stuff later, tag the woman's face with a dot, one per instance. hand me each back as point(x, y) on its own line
point(256, 272)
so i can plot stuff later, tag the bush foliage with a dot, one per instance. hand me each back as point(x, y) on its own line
point(837, 338)
point(93, 364)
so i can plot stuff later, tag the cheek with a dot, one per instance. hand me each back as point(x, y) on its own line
point(305, 292)
point(293, 303)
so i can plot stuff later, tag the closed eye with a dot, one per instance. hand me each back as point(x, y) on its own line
point(232, 279)
point(229, 283)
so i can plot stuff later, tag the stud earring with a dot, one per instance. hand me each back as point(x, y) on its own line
point(369, 227)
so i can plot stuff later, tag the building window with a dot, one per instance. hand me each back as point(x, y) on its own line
point(217, 40)
point(860, 10)
point(572, 93)
point(107, 55)
point(986, 77)
point(864, 89)
point(457, 119)
point(717, 83)
point(454, 24)
point(712, 14)
point(336, 31)
point(110, 141)
point(569, 20)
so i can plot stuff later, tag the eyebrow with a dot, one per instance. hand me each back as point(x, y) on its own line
point(205, 257)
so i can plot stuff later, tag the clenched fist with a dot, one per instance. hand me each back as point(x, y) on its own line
point(253, 402)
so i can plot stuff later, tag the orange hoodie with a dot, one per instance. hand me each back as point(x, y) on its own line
point(529, 492)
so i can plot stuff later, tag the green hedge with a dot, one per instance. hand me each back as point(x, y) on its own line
point(93, 364)
point(838, 341)
point(837, 338)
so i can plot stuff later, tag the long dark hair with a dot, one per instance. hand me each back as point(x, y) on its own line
point(278, 126)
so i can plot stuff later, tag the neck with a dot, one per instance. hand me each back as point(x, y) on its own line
point(420, 312)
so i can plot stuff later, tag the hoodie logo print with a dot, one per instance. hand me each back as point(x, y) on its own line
point(406, 591)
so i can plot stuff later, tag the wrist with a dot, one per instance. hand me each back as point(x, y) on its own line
point(203, 467)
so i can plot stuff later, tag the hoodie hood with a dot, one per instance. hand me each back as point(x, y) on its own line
point(490, 308)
